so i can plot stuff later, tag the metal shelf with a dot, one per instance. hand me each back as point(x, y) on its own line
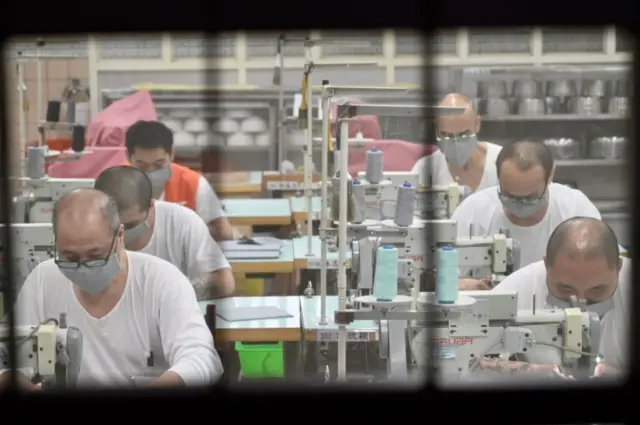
point(590, 163)
point(557, 117)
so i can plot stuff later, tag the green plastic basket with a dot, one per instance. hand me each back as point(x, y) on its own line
point(260, 361)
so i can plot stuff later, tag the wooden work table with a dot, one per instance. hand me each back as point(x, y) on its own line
point(282, 264)
point(237, 184)
point(258, 212)
point(282, 329)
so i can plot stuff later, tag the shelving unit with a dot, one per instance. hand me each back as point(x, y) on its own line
point(176, 108)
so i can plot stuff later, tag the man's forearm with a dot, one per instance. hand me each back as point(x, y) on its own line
point(503, 365)
point(166, 380)
point(219, 284)
point(220, 229)
point(511, 366)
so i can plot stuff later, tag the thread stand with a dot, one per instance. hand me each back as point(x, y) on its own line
point(463, 301)
point(399, 300)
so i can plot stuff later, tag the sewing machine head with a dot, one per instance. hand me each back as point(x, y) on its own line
point(496, 255)
point(439, 202)
point(32, 244)
point(49, 353)
point(35, 203)
point(492, 325)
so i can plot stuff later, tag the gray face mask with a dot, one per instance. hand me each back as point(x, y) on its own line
point(159, 179)
point(599, 308)
point(519, 207)
point(132, 235)
point(93, 280)
point(458, 149)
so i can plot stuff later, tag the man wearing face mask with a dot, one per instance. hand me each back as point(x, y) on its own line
point(582, 260)
point(525, 203)
point(137, 313)
point(168, 231)
point(462, 158)
point(150, 149)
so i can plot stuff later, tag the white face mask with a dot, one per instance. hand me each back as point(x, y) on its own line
point(458, 149)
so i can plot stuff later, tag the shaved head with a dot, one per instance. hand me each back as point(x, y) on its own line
point(525, 155)
point(85, 220)
point(584, 237)
point(451, 125)
point(87, 208)
point(583, 259)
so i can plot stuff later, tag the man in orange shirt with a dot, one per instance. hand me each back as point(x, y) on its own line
point(150, 149)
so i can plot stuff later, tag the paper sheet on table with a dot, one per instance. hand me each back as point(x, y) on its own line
point(251, 255)
point(237, 314)
point(262, 244)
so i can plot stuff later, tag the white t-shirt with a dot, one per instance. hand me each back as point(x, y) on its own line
point(158, 313)
point(182, 238)
point(484, 210)
point(436, 164)
point(208, 205)
point(532, 280)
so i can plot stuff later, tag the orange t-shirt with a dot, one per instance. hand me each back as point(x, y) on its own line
point(182, 187)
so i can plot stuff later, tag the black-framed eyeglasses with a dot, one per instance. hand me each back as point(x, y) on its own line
point(454, 136)
point(98, 262)
point(530, 199)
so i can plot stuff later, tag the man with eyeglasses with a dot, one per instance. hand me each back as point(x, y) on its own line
point(582, 260)
point(167, 230)
point(137, 313)
point(525, 203)
point(462, 158)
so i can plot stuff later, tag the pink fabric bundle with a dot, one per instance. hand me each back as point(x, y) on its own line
point(106, 137)
point(109, 126)
point(399, 155)
point(91, 165)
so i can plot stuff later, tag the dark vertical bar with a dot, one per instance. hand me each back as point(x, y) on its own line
point(210, 319)
point(5, 213)
point(634, 177)
point(428, 93)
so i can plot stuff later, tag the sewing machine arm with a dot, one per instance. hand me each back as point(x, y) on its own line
point(46, 352)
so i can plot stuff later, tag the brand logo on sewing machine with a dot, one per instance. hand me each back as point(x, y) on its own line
point(46, 210)
point(417, 258)
point(452, 341)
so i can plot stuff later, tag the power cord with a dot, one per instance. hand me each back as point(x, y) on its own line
point(35, 330)
point(570, 350)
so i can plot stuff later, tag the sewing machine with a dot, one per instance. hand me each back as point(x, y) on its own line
point(438, 202)
point(49, 353)
point(33, 243)
point(481, 324)
point(37, 197)
point(396, 177)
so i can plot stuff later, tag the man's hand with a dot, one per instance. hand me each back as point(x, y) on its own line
point(467, 284)
point(605, 371)
point(510, 366)
point(23, 382)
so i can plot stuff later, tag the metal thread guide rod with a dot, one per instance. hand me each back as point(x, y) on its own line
point(22, 114)
point(326, 117)
point(308, 156)
point(342, 249)
point(277, 81)
point(40, 88)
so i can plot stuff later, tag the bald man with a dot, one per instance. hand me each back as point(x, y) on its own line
point(169, 231)
point(582, 260)
point(137, 313)
point(462, 158)
point(525, 203)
